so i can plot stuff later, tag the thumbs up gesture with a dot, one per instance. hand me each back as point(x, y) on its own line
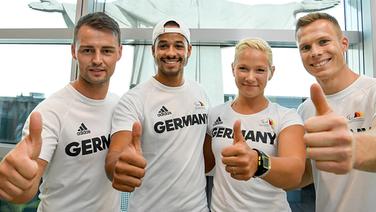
point(20, 167)
point(130, 166)
point(239, 159)
point(328, 139)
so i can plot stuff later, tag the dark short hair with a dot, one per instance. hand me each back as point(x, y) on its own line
point(99, 21)
point(312, 17)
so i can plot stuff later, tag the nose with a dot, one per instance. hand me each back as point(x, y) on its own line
point(316, 51)
point(97, 58)
point(251, 76)
point(171, 51)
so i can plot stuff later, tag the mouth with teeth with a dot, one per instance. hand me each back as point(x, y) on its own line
point(171, 62)
point(321, 63)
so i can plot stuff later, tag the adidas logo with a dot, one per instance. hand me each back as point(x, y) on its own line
point(163, 112)
point(218, 121)
point(82, 130)
point(199, 105)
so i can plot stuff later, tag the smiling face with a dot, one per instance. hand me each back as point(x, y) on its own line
point(171, 52)
point(252, 71)
point(322, 49)
point(96, 52)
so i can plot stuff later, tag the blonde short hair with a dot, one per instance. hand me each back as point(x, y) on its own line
point(312, 17)
point(254, 43)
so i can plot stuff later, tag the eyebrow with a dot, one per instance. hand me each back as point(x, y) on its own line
point(165, 41)
point(103, 47)
point(302, 44)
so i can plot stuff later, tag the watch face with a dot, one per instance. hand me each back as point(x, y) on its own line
point(263, 165)
point(265, 162)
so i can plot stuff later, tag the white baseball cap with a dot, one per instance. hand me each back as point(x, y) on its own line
point(160, 29)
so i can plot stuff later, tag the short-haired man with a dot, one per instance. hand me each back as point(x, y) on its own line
point(163, 163)
point(339, 120)
point(69, 149)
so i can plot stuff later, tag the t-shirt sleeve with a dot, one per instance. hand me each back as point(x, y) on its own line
point(306, 109)
point(289, 118)
point(127, 111)
point(50, 131)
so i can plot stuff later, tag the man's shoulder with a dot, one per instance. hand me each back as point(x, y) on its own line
point(140, 87)
point(193, 83)
point(112, 98)
point(219, 109)
point(62, 95)
point(367, 83)
point(138, 94)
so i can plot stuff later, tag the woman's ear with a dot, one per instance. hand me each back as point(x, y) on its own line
point(271, 73)
point(233, 69)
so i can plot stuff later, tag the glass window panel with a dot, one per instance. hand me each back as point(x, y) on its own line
point(30, 74)
point(251, 14)
point(37, 14)
point(120, 81)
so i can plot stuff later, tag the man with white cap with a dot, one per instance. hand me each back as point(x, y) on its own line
point(158, 130)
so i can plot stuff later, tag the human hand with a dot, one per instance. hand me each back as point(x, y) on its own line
point(47, 5)
point(240, 160)
point(130, 167)
point(317, 5)
point(328, 139)
point(19, 167)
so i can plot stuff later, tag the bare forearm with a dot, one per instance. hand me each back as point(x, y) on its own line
point(307, 178)
point(208, 155)
point(286, 172)
point(365, 151)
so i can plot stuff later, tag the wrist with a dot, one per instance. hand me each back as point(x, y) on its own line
point(263, 164)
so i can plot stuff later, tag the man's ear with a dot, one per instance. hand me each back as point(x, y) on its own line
point(73, 51)
point(189, 50)
point(345, 44)
point(152, 50)
point(120, 52)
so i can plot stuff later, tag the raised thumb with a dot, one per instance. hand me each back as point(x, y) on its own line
point(238, 136)
point(319, 100)
point(136, 136)
point(35, 137)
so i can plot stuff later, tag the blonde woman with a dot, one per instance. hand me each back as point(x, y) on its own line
point(256, 145)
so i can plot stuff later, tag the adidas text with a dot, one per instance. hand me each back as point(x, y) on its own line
point(84, 132)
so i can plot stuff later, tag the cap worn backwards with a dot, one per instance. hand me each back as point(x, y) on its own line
point(160, 29)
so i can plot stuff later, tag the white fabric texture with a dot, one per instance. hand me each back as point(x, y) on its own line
point(260, 131)
point(75, 140)
point(174, 121)
point(356, 190)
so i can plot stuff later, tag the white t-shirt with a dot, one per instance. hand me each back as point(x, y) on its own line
point(75, 140)
point(260, 131)
point(174, 121)
point(355, 191)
